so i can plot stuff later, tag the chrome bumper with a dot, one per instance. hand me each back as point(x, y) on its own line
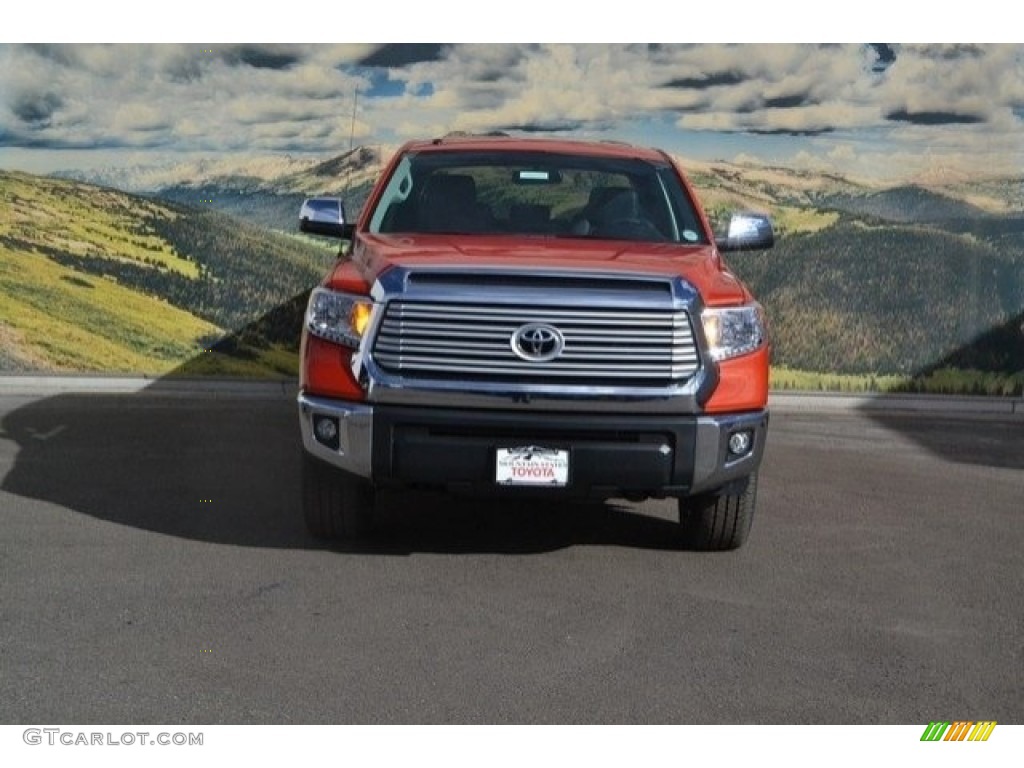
point(355, 433)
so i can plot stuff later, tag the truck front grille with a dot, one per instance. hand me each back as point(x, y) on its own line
point(603, 346)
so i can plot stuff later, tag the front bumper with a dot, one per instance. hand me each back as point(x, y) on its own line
point(454, 449)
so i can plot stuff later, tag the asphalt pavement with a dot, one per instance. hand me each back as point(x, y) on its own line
point(154, 569)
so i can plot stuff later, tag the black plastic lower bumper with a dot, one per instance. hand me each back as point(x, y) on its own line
point(630, 455)
point(610, 456)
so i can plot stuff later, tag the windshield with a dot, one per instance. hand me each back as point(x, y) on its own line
point(536, 194)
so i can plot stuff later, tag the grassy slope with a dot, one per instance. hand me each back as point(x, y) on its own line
point(92, 279)
point(80, 219)
point(58, 319)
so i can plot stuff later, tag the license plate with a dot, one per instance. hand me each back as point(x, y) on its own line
point(531, 465)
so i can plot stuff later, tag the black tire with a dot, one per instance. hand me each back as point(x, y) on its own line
point(336, 505)
point(716, 523)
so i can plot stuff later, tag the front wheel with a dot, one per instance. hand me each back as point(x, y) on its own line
point(336, 505)
point(715, 523)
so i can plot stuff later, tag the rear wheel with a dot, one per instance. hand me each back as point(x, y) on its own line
point(718, 522)
point(336, 505)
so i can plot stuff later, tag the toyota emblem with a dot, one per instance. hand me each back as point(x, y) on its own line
point(537, 342)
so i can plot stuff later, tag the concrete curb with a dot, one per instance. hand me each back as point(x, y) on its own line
point(30, 385)
point(36, 386)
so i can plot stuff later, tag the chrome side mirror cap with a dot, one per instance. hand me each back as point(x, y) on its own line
point(747, 231)
point(324, 216)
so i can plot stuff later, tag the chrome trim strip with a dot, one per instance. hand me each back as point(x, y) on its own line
point(526, 286)
point(524, 396)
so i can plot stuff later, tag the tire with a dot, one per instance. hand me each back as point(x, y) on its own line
point(717, 523)
point(336, 505)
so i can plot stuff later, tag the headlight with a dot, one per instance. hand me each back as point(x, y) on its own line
point(734, 331)
point(338, 317)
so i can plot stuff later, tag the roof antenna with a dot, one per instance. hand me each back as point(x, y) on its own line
point(352, 130)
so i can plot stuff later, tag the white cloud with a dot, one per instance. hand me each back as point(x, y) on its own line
point(958, 101)
point(139, 117)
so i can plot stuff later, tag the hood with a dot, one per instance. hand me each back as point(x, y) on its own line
point(699, 265)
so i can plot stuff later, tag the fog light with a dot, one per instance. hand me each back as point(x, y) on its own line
point(325, 429)
point(740, 443)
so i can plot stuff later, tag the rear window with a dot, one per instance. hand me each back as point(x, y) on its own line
point(538, 195)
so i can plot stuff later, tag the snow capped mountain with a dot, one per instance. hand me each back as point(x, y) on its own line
point(280, 174)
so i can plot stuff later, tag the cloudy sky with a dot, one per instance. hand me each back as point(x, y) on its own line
point(874, 110)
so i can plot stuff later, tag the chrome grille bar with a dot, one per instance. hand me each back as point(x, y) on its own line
point(603, 345)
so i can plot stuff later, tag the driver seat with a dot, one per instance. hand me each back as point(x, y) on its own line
point(449, 204)
point(623, 204)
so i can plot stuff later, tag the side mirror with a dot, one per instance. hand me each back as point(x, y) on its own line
point(747, 232)
point(325, 216)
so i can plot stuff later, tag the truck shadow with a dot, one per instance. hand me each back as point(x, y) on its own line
point(226, 470)
point(1000, 350)
point(992, 442)
point(437, 523)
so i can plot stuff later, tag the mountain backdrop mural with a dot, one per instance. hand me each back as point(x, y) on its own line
point(143, 239)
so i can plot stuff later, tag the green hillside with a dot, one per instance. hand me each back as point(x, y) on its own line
point(881, 299)
point(905, 204)
point(92, 279)
point(256, 206)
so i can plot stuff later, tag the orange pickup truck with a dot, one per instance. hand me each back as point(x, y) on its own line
point(522, 316)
